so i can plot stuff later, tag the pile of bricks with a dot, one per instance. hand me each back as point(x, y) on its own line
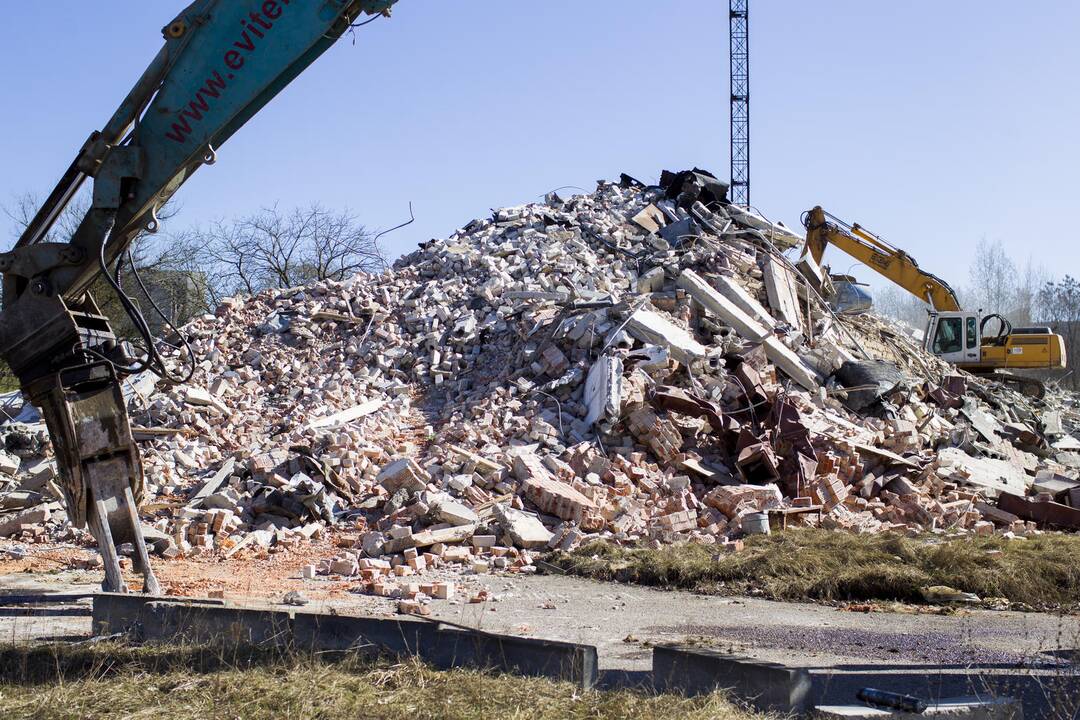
point(624, 365)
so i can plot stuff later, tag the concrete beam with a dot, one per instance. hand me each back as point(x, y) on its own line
point(654, 328)
point(779, 354)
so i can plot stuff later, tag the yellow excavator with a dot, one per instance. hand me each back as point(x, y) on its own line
point(953, 334)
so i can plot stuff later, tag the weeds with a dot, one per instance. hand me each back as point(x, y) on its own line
point(1041, 571)
point(114, 680)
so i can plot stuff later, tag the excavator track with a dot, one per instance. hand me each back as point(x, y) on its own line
point(1029, 387)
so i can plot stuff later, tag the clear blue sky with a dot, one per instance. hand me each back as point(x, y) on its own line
point(934, 123)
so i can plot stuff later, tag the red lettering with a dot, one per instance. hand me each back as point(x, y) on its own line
point(234, 60)
point(248, 43)
point(196, 107)
point(258, 18)
point(180, 130)
point(214, 85)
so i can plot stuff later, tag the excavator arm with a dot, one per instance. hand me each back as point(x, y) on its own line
point(222, 62)
point(823, 230)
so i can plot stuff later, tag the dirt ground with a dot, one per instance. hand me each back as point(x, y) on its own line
point(622, 621)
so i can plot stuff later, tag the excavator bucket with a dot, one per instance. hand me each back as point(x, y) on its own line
point(100, 469)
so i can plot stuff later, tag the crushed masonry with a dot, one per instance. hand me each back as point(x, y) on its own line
point(638, 364)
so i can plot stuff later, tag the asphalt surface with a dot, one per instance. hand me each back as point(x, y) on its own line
point(624, 621)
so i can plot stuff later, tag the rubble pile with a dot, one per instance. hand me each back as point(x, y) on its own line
point(639, 364)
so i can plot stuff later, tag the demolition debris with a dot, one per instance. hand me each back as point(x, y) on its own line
point(639, 364)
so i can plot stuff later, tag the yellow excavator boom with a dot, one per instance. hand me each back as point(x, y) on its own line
point(952, 334)
point(823, 230)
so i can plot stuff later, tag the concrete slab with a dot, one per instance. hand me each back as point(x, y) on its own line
point(396, 636)
point(769, 687)
point(212, 624)
point(934, 656)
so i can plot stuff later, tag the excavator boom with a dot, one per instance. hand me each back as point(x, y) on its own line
point(823, 230)
point(952, 334)
point(222, 62)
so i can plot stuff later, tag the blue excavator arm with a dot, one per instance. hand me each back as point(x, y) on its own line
point(222, 62)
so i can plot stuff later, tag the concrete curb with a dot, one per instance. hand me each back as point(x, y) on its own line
point(699, 671)
point(677, 669)
point(517, 655)
point(159, 619)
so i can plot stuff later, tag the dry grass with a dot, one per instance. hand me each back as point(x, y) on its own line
point(1042, 572)
point(120, 681)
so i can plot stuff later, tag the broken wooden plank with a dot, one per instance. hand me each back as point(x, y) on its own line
point(650, 219)
point(778, 353)
point(146, 433)
point(338, 317)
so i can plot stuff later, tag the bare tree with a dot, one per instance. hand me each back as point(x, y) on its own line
point(896, 303)
point(1032, 279)
point(1059, 307)
point(275, 249)
point(993, 279)
point(21, 212)
point(168, 271)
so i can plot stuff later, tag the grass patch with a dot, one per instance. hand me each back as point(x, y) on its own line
point(115, 680)
point(1042, 571)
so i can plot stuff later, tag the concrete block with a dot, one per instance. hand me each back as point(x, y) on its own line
point(13, 524)
point(521, 656)
point(129, 612)
point(403, 473)
point(696, 671)
point(455, 513)
point(557, 498)
point(650, 327)
point(525, 530)
point(190, 622)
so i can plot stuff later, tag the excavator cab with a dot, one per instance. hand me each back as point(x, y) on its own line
point(954, 336)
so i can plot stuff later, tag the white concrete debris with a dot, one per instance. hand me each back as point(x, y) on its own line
point(634, 364)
